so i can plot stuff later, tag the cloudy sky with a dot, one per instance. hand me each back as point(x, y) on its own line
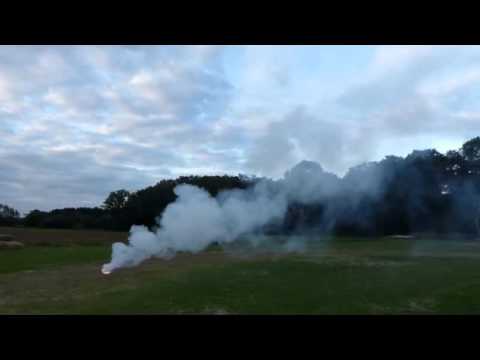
point(77, 122)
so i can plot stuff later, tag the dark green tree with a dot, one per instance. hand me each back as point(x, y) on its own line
point(116, 200)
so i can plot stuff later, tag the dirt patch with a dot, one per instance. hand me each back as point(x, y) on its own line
point(11, 245)
point(418, 307)
point(413, 307)
point(215, 311)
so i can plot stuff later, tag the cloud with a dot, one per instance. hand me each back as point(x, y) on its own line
point(409, 97)
point(62, 179)
point(80, 121)
point(302, 135)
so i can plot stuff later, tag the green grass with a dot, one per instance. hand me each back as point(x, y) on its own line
point(38, 257)
point(343, 276)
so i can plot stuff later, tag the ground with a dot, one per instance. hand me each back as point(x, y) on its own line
point(332, 276)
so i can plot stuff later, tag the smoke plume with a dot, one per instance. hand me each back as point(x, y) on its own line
point(196, 219)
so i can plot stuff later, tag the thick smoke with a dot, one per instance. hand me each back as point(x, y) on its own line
point(426, 192)
point(196, 219)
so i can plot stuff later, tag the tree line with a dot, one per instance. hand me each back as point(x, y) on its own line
point(122, 209)
point(424, 192)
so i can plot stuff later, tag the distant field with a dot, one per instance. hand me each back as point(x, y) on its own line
point(52, 237)
point(336, 276)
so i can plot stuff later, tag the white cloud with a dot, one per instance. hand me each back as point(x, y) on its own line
point(84, 120)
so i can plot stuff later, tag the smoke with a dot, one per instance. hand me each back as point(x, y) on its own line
point(394, 196)
point(196, 219)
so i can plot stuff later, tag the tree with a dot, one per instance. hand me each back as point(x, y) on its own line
point(471, 149)
point(116, 200)
point(423, 192)
point(8, 212)
point(8, 216)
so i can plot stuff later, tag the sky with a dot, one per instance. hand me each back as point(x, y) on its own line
point(77, 122)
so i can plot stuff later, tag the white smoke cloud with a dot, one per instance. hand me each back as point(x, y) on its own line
point(196, 219)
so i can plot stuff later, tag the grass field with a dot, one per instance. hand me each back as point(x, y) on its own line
point(338, 276)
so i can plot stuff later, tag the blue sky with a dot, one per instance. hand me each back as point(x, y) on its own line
point(77, 122)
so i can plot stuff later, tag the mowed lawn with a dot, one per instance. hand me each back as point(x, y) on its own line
point(335, 276)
